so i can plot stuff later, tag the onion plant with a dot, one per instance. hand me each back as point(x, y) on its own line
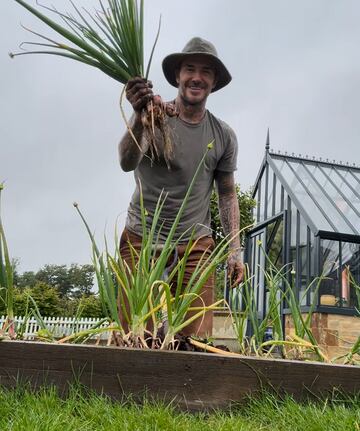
point(6, 280)
point(280, 293)
point(179, 304)
point(248, 314)
point(137, 296)
point(110, 39)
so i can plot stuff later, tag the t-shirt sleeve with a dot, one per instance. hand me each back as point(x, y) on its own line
point(228, 160)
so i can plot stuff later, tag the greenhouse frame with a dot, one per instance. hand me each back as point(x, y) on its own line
point(307, 221)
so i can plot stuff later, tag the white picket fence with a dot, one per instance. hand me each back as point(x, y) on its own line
point(59, 326)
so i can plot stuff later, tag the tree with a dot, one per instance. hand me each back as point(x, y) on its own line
point(21, 302)
point(47, 299)
point(246, 204)
point(90, 306)
point(57, 277)
point(26, 279)
point(82, 279)
point(77, 280)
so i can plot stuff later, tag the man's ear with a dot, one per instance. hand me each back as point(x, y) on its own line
point(177, 76)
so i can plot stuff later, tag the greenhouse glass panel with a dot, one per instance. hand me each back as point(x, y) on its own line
point(262, 198)
point(274, 243)
point(256, 266)
point(311, 268)
point(357, 175)
point(353, 181)
point(256, 208)
point(278, 197)
point(305, 198)
point(270, 193)
point(329, 288)
point(334, 216)
point(275, 188)
point(339, 177)
point(337, 196)
point(302, 265)
point(350, 274)
point(274, 250)
point(293, 237)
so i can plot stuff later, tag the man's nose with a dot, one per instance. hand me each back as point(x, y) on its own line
point(196, 78)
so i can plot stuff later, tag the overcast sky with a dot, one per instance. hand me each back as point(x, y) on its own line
point(295, 68)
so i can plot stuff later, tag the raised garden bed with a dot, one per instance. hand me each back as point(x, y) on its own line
point(196, 381)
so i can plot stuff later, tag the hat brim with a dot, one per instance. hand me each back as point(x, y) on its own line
point(173, 61)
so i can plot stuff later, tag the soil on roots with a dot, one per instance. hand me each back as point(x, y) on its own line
point(153, 117)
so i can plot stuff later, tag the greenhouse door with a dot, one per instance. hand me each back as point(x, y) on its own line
point(264, 244)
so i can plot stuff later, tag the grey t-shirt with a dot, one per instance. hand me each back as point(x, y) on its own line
point(190, 142)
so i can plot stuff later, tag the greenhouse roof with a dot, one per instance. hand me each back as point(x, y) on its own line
point(325, 192)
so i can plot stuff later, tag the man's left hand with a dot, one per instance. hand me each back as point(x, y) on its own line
point(235, 268)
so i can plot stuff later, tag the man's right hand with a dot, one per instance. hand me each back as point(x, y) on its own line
point(139, 93)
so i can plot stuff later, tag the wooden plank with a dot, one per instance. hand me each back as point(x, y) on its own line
point(196, 380)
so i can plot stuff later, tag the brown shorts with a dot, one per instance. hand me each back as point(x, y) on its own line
point(202, 249)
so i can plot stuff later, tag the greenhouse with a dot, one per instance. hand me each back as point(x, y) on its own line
point(307, 221)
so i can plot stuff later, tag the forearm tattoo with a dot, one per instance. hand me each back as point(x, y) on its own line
point(230, 218)
point(229, 208)
point(130, 153)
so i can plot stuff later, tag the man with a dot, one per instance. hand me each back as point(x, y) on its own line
point(196, 72)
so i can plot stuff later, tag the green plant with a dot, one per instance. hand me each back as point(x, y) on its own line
point(245, 294)
point(6, 280)
point(180, 304)
point(90, 306)
point(280, 293)
point(47, 299)
point(112, 40)
point(139, 292)
point(246, 205)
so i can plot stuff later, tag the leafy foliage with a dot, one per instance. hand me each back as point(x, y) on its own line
point(111, 39)
point(135, 295)
point(279, 292)
point(50, 304)
point(46, 298)
point(246, 204)
point(70, 282)
point(90, 306)
point(6, 279)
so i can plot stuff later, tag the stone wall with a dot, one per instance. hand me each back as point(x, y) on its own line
point(223, 331)
point(336, 334)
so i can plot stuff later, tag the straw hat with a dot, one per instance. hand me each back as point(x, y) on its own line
point(196, 45)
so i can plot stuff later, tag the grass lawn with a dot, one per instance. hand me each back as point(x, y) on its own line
point(23, 410)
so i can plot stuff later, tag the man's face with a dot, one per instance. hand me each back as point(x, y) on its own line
point(196, 78)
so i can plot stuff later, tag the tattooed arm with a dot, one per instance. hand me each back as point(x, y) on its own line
point(130, 154)
point(230, 221)
point(138, 93)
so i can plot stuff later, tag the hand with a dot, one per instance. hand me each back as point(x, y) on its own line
point(235, 268)
point(139, 93)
